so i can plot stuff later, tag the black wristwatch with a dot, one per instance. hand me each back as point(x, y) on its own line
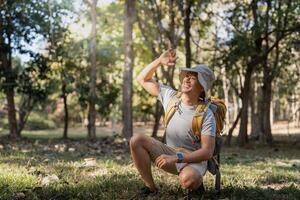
point(180, 157)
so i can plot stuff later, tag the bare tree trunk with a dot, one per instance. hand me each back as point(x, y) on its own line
point(12, 120)
point(25, 108)
point(267, 96)
point(158, 114)
point(93, 73)
point(235, 106)
point(255, 127)
point(9, 84)
point(243, 135)
point(187, 25)
point(226, 91)
point(129, 60)
point(66, 118)
point(229, 136)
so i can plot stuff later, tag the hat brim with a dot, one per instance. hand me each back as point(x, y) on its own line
point(188, 69)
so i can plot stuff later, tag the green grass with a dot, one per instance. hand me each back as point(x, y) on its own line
point(258, 172)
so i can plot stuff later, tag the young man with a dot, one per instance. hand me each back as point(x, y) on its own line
point(184, 153)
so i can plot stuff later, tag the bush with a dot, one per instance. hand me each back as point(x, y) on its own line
point(38, 122)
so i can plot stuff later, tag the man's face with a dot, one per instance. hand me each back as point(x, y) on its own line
point(190, 83)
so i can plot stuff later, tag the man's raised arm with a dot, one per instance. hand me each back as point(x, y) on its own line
point(145, 78)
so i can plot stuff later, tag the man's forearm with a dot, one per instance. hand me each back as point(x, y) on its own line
point(197, 156)
point(147, 73)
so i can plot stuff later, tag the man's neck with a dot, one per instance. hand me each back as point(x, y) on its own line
point(189, 100)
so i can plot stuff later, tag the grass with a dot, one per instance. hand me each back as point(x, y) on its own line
point(255, 172)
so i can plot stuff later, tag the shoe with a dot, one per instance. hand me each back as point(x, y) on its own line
point(195, 194)
point(144, 192)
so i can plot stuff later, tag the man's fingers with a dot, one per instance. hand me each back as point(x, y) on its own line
point(161, 164)
point(160, 161)
point(157, 160)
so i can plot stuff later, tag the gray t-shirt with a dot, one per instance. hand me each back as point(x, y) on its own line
point(179, 129)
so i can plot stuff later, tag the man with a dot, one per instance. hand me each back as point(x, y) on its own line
point(183, 153)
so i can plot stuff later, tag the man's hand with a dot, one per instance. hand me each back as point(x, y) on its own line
point(163, 160)
point(168, 58)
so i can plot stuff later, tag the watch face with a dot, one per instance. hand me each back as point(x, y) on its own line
point(179, 156)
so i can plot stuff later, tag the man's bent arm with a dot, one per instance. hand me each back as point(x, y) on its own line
point(145, 78)
point(204, 153)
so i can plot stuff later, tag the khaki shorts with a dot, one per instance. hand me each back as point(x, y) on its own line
point(158, 148)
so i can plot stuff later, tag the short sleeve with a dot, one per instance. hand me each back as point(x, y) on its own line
point(209, 124)
point(165, 94)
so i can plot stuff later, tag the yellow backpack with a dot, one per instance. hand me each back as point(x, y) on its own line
point(217, 106)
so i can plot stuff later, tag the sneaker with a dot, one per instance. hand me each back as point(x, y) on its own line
point(195, 194)
point(144, 192)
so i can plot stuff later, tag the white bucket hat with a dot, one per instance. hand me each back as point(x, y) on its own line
point(206, 76)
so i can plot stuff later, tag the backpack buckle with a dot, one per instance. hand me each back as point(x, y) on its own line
point(176, 106)
point(198, 114)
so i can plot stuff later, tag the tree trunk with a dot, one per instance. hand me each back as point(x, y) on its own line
point(9, 84)
point(187, 25)
point(93, 72)
point(66, 119)
point(235, 105)
point(267, 97)
point(12, 119)
point(243, 135)
point(226, 91)
point(25, 108)
point(158, 114)
point(127, 75)
point(255, 127)
point(229, 136)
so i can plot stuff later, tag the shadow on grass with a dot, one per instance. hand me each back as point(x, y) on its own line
point(280, 179)
point(249, 193)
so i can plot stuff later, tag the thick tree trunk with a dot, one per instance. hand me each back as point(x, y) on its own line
point(93, 74)
point(243, 133)
point(12, 119)
point(255, 127)
point(9, 84)
point(187, 25)
point(267, 97)
point(127, 75)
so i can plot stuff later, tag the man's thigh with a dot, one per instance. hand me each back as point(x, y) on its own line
point(157, 148)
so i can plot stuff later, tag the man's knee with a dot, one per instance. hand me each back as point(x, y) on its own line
point(189, 179)
point(138, 140)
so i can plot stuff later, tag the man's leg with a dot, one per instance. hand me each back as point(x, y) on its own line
point(143, 150)
point(190, 178)
point(141, 158)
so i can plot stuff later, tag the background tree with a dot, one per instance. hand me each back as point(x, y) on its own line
point(127, 74)
point(93, 71)
point(21, 24)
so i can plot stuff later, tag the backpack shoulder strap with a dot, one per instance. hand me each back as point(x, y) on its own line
point(171, 107)
point(198, 118)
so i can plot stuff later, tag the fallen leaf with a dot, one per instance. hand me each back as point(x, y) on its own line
point(49, 179)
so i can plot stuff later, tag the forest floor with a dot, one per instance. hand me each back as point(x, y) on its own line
point(42, 166)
